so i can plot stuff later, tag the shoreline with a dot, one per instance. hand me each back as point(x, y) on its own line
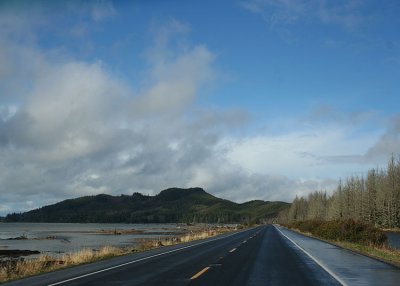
point(19, 267)
point(24, 241)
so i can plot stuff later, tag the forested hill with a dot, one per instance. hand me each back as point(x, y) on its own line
point(171, 205)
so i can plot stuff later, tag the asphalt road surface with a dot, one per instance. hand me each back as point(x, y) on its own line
point(259, 256)
point(348, 267)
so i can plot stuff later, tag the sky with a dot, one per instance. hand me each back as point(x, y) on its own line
point(249, 99)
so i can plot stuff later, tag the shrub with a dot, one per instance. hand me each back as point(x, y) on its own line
point(343, 230)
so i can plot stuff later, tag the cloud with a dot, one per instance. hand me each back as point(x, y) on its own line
point(102, 10)
point(388, 144)
point(277, 13)
point(70, 127)
point(235, 183)
point(323, 114)
point(307, 153)
point(382, 135)
point(345, 13)
point(76, 129)
point(174, 82)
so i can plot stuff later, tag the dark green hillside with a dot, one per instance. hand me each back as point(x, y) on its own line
point(171, 205)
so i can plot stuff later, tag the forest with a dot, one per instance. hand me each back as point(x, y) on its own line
point(374, 199)
point(169, 206)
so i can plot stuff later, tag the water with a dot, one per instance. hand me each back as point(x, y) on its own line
point(393, 239)
point(69, 237)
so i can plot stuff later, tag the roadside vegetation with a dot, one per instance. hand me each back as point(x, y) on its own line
point(18, 268)
point(355, 215)
point(358, 236)
point(346, 230)
point(374, 199)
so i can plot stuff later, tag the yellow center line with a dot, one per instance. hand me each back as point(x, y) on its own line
point(232, 250)
point(199, 273)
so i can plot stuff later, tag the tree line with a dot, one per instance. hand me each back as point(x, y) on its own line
point(169, 206)
point(373, 199)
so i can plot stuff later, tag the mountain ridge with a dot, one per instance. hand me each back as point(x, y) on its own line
point(169, 206)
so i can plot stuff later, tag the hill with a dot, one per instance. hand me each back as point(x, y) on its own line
point(170, 205)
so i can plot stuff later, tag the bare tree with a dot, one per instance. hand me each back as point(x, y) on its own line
point(375, 199)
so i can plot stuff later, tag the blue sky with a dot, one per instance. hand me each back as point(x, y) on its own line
point(252, 99)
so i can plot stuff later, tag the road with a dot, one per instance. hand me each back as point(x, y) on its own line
point(260, 256)
point(350, 268)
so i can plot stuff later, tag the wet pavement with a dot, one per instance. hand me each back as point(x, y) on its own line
point(350, 267)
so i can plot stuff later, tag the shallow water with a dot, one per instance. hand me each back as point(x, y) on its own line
point(67, 237)
point(393, 239)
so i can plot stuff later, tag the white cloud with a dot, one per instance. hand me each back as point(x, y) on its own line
point(230, 181)
point(70, 128)
point(301, 154)
point(75, 129)
point(388, 144)
point(347, 14)
point(102, 9)
point(175, 81)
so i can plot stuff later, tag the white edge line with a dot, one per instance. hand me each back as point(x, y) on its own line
point(141, 259)
point(337, 278)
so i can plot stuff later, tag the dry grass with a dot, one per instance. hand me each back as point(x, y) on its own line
point(200, 235)
point(146, 244)
point(3, 274)
point(19, 268)
point(385, 253)
point(396, 229)
point(87, 255)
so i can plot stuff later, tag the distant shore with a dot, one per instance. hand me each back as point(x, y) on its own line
point(16, 267)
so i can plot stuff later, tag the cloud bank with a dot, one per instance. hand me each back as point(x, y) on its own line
point(71, 127)
point(278, 13)
point(75, 129)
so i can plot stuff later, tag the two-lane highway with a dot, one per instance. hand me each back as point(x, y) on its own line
point(266, 259)
point(173, 265)
point(258, 256)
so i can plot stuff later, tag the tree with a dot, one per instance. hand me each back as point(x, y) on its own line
point(375, 199)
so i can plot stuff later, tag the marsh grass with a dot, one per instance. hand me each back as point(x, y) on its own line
point(20, 268)
point(146, 244)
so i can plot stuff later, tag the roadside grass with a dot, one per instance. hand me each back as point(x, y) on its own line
point(397, 230)
point(359, 238)
point(20, 268)
point(384, 253)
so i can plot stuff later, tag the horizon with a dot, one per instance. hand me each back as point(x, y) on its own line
point(154, 195)
point(250, 99)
